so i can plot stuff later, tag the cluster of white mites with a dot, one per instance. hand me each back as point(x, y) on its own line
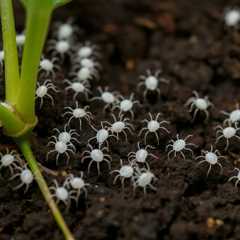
point(141, 155)
point(125, 105)
point(151, 81)
point(120, 125)
point(49, 66)
point(97, 155)
point(178, 146)
point(63, 143)
point(42, 91)
point(107, 97)
point(79, 114)
point(232, 17)
point(18, 169)
point(197, 104)
point(227, 133)
point(71, 189)
point(212, 158)
point(78, 88)
point(154, 126)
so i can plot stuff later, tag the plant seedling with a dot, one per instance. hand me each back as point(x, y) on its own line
point(17, 112)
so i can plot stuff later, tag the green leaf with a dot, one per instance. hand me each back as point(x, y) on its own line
point(46, 3)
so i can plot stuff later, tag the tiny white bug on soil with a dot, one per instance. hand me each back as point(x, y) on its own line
point(143, 178)
point(120, 125)
point(153, 127)
point(65, 31)
point(49, 66)
point(66, 136)
point(232, 17)
point(25, 176)
point(180, 145)
point(126, 171)
point(98, 156)
point(42, 91)
point(233, 117)
point(102, 135)
point(197, 104)
point(61, 193)
point(78, 88)
point(227, 133)
point(212, 158)
point(79, 114)
point(125, 105)
point(59, 47)
point(61, 148)
point(78, 185)
point(141, 155)
point(236, 177)
point(108, 97)
point(9, 160)
point(151, 82)
point(87, 50)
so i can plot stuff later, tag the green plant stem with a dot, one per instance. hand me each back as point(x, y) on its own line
point(10, 51)
point(36, 31)
point(27, 152)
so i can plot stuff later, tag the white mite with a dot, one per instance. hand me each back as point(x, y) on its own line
point(49, 66)
point(67, 137)
point(20, 40)
point(180, 145)
point(84, 74)
point(61, 148)
point(65, 31)
point(25, 176)
point(78, 88)
point(87, 50)
point(78, 113)
point(78, 185)
point(102, 135)
point(237, 177)
point(143, 178)
point(141, 155)
point(125, 105)
point(9, 160)
point(227, 133)
point(59, 47)
point(98, 156)
point(126, 171)
point(42, 91)
point(198, 104)
point(233, 117)
point(232, 17)
point(61, 193)
point(153, 127)
point(151, 81)
point(120, 125)
point(211, 157)
point(109, 98)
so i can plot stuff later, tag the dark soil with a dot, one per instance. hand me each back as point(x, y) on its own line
point(189, 41)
